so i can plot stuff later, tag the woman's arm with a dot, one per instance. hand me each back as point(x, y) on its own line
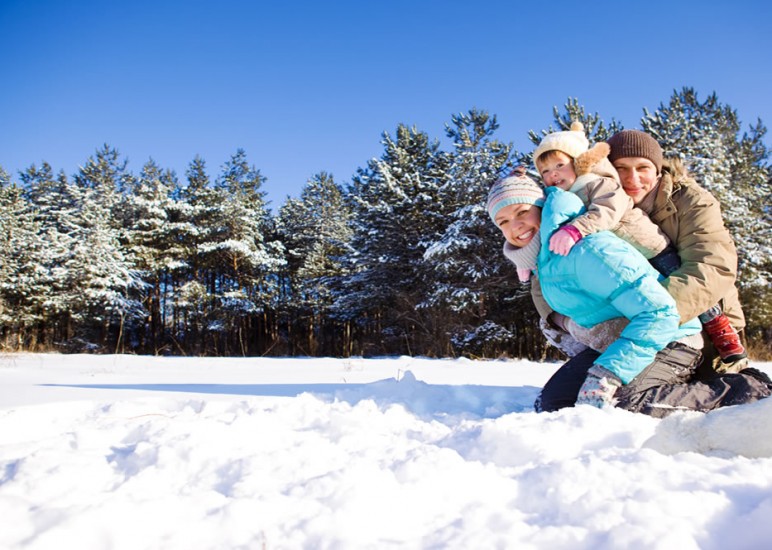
point(539, 302)
point(554, 333)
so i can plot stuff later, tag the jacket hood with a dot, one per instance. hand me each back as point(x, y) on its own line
point(675, 168)
point(595, 161)
point(674, 176)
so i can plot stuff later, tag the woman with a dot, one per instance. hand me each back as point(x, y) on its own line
point(604, 278)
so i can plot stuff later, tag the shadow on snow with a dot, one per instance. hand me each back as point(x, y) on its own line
point(421, 398)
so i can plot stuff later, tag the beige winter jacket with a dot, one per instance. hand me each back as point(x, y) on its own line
point(609, 207)
point(691, 217)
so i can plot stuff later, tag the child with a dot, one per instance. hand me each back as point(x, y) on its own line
point(565, 160)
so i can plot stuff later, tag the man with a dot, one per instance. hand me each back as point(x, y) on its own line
point(704, 284)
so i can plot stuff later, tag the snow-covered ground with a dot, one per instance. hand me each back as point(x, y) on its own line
point(101, 452)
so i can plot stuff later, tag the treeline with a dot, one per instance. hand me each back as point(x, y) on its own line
point(402, 260)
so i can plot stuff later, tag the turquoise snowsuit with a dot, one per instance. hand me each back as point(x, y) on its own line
point(601, 278)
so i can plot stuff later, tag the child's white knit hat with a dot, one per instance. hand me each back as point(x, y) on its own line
point(572, 142)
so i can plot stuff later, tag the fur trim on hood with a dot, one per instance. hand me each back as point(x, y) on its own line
point(584, 163)
point(595, 161)
point(676, 168)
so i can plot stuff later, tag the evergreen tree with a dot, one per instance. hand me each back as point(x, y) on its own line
point(7, 222)
point(105, 177)
point(463, 253)
point(246, 252)
point(55, 207)
point(100, 265)
point(56, 201)
point(471, 279)
point(204, 209)
point(252, 256)
point(24, 276)
point(108, 287)
point(198, 207)
point(315, 231)
point(396, 215)
point(153, 244)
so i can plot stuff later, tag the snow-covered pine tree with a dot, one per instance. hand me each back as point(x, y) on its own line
point(201, 212)
point(472, 282)
point(184, 235)
point(106, 309)
point(248, 256)
point(57, 202)
point(315, 231)
point(100, 265)
point(105, 176)
point(751, 166)
point(706, 136)
point(397, 212)
point(24, 276)
point(153, 245)
point(55, 206)
point(7, 222)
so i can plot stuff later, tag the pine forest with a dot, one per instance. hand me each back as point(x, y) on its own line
point(401, 260)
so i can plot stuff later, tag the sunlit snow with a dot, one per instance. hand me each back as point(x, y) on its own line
point(182, 453)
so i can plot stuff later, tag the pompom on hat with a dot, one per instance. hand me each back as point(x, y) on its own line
point(635, 144)
point(516, 188)
point(572, 142)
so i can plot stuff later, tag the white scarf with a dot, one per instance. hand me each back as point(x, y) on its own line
point(524, 258)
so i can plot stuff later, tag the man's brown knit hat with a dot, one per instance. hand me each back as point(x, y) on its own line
point(635, 143)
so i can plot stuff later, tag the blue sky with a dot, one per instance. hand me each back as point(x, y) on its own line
point(305, 87)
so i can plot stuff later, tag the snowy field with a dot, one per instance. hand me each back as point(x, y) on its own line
point(126, 452)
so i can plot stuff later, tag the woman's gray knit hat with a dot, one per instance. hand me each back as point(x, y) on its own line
point(516, 188)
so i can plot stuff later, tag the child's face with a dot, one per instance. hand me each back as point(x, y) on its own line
point(558, 171)
point(519, 223)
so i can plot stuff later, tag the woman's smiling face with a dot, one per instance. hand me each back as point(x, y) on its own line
point(519, 223)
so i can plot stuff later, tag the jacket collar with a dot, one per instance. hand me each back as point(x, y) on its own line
point(663, 199)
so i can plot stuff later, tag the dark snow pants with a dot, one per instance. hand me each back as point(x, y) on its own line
point(660, 389)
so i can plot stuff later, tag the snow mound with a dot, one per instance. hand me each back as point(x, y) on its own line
point(744, 430)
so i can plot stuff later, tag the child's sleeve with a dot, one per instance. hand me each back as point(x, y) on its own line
point(606, 203)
